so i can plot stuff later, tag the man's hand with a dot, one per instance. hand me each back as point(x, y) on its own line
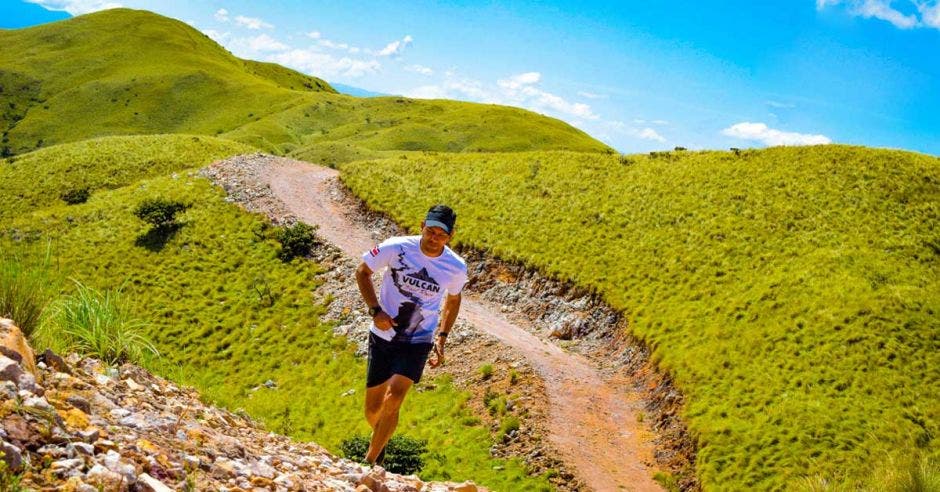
point(438, 358)
point(383, 321)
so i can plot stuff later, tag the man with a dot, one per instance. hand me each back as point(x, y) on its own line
point(422, 272)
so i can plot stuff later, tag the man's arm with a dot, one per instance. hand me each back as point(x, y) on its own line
point(448, 317)
point(364, 280)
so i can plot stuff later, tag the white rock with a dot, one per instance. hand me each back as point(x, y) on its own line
point(150, 484)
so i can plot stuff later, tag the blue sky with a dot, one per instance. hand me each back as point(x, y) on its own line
point(638, 75)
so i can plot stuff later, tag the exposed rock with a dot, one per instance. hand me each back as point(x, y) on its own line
point(11, 456)
point(13, 344)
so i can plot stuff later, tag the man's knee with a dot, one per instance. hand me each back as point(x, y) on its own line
point(397, 389)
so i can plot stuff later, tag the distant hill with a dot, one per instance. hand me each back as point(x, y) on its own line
point(356, 91)
point(121, 71)
point(792, 293)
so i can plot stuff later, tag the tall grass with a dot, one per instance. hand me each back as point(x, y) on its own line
point(27, 284)
point(95, 323)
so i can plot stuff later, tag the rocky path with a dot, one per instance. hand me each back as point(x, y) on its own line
point(595, 423)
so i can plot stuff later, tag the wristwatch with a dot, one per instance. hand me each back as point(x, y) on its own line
point(375, 310)
point(442, 334)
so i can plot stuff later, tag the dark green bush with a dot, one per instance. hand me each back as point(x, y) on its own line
point(403, 454)
point(296, 240)
point(76, 196)
point(159, 212)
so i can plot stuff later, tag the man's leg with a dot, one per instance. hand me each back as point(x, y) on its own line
point(374, 398)
point(397, 388)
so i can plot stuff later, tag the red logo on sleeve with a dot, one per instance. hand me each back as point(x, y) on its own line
point(375, 251)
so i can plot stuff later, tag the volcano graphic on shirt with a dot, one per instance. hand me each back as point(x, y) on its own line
point(415, 286)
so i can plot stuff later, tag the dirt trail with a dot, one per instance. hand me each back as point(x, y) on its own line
point(594, 421)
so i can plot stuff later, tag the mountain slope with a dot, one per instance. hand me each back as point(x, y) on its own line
point(793, 293)
point(134, 72)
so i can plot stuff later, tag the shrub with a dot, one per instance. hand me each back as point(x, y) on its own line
point(513, 376)
point(94, 323)
point(509, 424)
point(75, 196)
point(27, 285)
point(486, 371)
point(296, 240)
point(159, 212)
point(403, 454)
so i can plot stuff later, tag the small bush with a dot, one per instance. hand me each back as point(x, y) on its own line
point(513, 376)
point(296, 240)
point(403, 454)
point(486, 371)
point(509, 424)
point(75, 196)
point(96, 324)
point(159, 212)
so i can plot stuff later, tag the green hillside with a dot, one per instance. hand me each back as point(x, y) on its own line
point(793, 293)
point(123, 72)
point(223, 310)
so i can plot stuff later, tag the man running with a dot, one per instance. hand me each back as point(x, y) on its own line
point(420, 270)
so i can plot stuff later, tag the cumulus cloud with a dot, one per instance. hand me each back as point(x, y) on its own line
point(252, 22)
point(930, 14)
point(622, 128)
point(396, 48)
point(221, 15)
point(263, 43)
point(314, 35)
point(650, 134)
point(768, 136)
point(780, 105)
point(76, 7)
point(325, 64)
point(883, 10)
point(423, 70)
point(521, 90)
point(218, 37)
point(591, 95)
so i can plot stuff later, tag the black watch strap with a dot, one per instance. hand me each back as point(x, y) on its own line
point(375, 310)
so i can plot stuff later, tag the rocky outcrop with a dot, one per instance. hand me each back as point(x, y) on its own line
point(83, 426)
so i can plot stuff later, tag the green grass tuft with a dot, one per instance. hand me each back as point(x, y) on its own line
point(28, 282)
point(96, 324)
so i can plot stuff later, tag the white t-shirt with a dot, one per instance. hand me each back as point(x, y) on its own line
point(413, 286)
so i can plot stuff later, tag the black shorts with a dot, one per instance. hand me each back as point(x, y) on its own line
point(387, 358)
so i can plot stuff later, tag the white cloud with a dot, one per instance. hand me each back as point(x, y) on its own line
point(76, 7)
point(314, 35)
point(218, 37)
point(423, 70)
point(517, 81)
point(520, 90)
point(396, 47)
point(591, 95)
point(650, 134)
point(771, 137)
point(325, 65)
point(930, 14)
point(221, 15)
point(780, 105)
point(883, 10)
point(263, 42)
point(326, 43)
point(252, 22)
point(622, 128)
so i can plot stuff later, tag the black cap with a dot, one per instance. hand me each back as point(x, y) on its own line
point(441, 216)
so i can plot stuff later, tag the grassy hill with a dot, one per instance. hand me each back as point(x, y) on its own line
point(793, 293)
point(123, 72)
point(200, 293)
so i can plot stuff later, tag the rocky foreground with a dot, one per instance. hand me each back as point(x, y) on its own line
point(77, 424)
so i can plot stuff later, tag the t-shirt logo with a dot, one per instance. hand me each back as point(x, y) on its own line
point(423, 281)
point(374, 252)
